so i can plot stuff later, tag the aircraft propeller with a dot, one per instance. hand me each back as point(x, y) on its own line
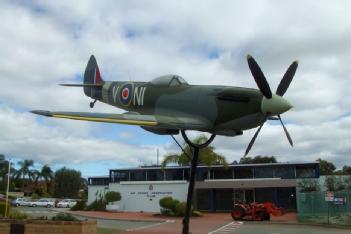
point(272, 104)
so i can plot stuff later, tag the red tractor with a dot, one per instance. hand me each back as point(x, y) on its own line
point(255, 211)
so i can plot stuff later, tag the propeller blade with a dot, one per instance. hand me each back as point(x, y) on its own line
point(254, 138)
point(259, 77)
point(287, 78)
point(286, 131)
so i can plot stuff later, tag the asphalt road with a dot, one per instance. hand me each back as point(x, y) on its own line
point(267, 228)
point(232, 227)
point(35, 212)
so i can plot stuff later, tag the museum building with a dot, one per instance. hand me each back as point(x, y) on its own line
point(216, 187)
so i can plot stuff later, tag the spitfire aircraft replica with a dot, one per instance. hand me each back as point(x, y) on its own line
point(168, 104)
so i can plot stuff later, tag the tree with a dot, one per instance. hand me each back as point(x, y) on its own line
point(346, 170)
point(308, 185)
point(325, 167)
point(24, 173)
point(334, 183)
point(47, 175)
point(258, 159)
point(3, 172)
point(207, 156)
point(68, 182)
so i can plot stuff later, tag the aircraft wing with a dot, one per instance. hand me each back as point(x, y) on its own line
point(132, 119)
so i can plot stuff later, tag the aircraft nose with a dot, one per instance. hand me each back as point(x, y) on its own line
point(275, 105)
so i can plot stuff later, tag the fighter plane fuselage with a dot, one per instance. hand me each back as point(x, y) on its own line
point(222, 107)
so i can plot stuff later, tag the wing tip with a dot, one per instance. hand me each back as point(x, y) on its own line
point(42, 112)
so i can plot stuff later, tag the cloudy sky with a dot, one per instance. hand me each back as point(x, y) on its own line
point(44, 43)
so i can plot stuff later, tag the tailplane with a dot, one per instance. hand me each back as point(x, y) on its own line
point(92, 79)
point(93, 82)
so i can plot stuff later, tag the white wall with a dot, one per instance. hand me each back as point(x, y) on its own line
point(145, 195)
point(93, 189)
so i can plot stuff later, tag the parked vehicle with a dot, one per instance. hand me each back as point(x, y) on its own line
point(44, 202)
point(21, 201)
point(67, 203)
point(255, 211)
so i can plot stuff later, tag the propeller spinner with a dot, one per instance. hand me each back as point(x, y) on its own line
point(272, 104)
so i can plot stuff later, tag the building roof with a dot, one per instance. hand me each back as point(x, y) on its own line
point(219, 166)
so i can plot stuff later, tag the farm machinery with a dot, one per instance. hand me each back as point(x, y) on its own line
point(255, 211)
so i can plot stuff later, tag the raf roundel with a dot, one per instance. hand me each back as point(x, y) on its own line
point(126, 93)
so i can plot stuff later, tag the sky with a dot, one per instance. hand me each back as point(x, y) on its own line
point(45, 43)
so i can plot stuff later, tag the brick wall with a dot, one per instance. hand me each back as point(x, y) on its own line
point(54, 227)
point(5, 227)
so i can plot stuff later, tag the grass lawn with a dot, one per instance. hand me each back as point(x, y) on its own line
point(108, 231)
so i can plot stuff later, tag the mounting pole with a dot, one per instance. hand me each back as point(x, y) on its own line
point(194, 162)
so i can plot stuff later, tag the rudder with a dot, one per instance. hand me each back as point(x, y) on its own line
point(92, 77)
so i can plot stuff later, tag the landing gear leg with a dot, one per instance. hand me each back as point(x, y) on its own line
point(91, 104)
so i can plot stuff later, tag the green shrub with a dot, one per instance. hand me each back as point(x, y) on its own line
point(168, 203)
point(180, 209)
point(167, 212)
point(173, 204)
point(3, 207)
point(112, 196)
point(165, 201)
point(173, 207)
point(64, 217)
point(197, 213)
point(14, 214)
point(97, 205)
point(80, 205)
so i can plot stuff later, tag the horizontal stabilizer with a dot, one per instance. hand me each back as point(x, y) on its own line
point(83, 85)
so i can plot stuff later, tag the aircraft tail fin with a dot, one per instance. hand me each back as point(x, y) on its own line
point(93, 82)
point(92, 79)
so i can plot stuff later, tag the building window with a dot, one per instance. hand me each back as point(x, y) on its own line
point(138, 175)
point(117, 176)
point(174, 174)
point(186, 172)
point(202, 174)
point(98, 181)
point(221, 173)
point(305, 172)
point(286, 172)
point(263, 172)
point(154, 175)
point(243, 173)
point(266, 195)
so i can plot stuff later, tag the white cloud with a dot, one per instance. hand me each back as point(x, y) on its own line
point(23, 137)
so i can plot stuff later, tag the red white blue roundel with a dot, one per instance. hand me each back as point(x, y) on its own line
point(125, 94)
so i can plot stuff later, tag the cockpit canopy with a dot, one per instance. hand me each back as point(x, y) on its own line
point(168, 80)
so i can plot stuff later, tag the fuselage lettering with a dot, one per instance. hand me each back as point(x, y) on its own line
point(115, 92)
point(138, 98)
